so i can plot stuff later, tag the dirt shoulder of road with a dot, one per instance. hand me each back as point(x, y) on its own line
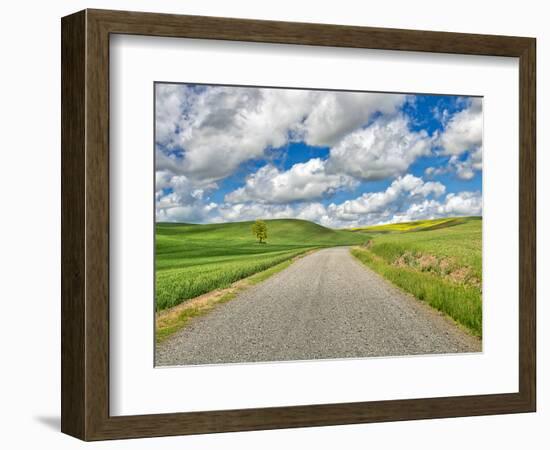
point(171, 320)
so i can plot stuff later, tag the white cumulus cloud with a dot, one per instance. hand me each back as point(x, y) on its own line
point(462, 204)
point(180, 199)
point(335, 114)
point(464, 130)
point(303, 181)
point(381, 205)
point(386, 148)
point(462, 140)
point(217, 128)
point(408, 198)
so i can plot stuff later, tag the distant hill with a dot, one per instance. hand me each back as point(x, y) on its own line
point(419, 225)
point(292, 232)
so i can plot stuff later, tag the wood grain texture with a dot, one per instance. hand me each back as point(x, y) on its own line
point(73, 109)
point(201, 27)
point(97, 225)
point(527, 224)
point(85, 224)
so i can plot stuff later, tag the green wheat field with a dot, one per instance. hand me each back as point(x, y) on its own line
point(437, 261)
point(195, 259)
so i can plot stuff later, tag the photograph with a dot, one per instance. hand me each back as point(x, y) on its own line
point(300, 224)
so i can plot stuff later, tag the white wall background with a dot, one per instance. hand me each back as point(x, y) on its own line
point(30, 225)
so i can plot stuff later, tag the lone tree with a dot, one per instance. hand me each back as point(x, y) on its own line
point(259, 229)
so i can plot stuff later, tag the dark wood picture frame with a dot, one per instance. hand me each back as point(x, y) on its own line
point(85, 224)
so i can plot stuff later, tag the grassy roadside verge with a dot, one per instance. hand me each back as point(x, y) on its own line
point(461, 302)
point(168, 321)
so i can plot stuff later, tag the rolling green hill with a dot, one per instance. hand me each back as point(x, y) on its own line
point(195, 259)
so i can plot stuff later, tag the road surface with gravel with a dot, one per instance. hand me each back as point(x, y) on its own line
point(325, 305)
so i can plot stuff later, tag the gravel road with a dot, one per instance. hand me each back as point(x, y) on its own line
point(325, 305)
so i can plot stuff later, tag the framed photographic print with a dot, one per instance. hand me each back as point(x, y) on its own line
point(270, 224)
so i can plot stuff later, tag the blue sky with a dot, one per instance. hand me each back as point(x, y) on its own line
point(338, 158)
